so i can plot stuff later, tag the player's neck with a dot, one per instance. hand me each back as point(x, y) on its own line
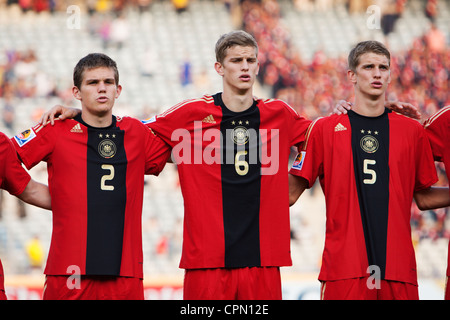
point(237, 102)
point(97, 121)
point(369, 107)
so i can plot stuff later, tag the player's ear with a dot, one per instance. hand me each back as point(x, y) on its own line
point(76, 93)
point(219, 68)
point(351, 75)
point(118, 90)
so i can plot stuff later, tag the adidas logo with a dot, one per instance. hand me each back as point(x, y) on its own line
point(209, 119)
point(339, 127)
point(76, 128)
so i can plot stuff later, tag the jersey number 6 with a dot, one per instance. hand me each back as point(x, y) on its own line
point(241, 163)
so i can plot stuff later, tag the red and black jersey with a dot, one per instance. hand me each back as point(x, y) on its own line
point(13, 177)
point(437, 128)
point(96, 181)
point(369, 168)
point(233, 174)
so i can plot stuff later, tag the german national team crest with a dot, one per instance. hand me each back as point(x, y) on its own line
point(107, 148)
point(240, 135)
point(369, 144)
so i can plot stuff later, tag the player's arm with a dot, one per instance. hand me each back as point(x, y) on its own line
point(407, 109)
point(59, 112)
point(37, 194)
point(432, 198)
point(296, 187)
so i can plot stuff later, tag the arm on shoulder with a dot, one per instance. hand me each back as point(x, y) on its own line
point(405, 108)
point(58, 112)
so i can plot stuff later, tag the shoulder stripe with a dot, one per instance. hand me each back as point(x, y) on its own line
point(206, 99)
point(436, 115)
point(283, 102)
point(308, 131)
point(39, 127)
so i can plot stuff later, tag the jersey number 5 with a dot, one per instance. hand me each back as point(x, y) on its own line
point(371, 172)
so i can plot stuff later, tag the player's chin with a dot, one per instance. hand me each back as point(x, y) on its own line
point(245, 85)
point(375, 94)
point(102, 109)
point(105, 106)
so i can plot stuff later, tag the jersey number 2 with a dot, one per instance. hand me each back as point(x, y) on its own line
point(107, 177)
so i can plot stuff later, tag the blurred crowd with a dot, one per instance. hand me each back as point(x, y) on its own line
point(420, 74)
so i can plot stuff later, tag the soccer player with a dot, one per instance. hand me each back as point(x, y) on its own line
point(96, 164)
point(437, 128)
point(15, 180)
point(232, 153)
point(370, 163)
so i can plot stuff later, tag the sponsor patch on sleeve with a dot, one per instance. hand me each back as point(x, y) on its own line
point(298, 162)
point(25, 137)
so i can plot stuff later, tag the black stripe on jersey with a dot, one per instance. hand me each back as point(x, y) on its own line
point(106, 197)
point(241, 185)
point(370, 146)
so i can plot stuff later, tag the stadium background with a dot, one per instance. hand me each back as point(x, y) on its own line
point(165, 54)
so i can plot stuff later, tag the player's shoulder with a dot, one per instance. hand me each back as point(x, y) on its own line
point(128, 123)
point(441, 116)
point(276, 103)
point(134, 126)
point(320, 123)
point(405, 120)
point(59, 125)
point(4, 141)
point(329, 125)
point(189, 105)
point(184, 110)
point(3, 137)
point(277, 107)
point(126, 120)
point(330, 120)
point(406, 125)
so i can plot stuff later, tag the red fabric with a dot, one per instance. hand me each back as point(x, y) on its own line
point(202, 184)
point(93, 288)
point(257, 283)
point(358, 289)
point(64, 147)
point(328, 155)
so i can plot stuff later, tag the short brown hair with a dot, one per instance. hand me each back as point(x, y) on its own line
point(92, 61)
point(365, 47)
point(231, 39)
